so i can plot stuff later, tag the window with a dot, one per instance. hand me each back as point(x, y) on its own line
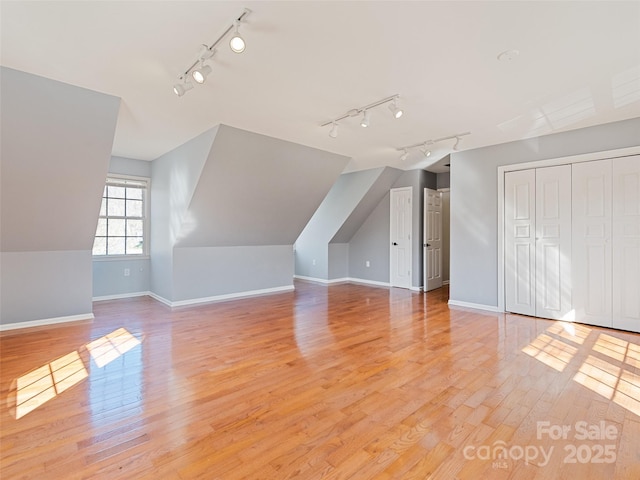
point(122, 223)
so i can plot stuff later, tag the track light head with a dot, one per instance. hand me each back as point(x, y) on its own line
point(237, 43)
point(425, 151)
point(333, 133)
point(200, 73)
point(397, 112)
point(181, 88)
point(404, 155)
point(366, 119)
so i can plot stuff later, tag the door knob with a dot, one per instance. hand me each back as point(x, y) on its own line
point(428, 244)
point(395, 243)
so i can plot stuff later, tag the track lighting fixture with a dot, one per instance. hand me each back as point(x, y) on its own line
point(397, 112)
point(200, 73)
point(237, 42)
point(366, 114)
point(425, 151)
point(199, 69)
point(181, 88)
point(425, 144)
point(366, 119)
point(333, 133)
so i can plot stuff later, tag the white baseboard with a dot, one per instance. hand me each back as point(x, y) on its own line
point(47, 321)
point(369, 282)
point(342, 280)
point(446, 282)
point(475, 306)
point(119, 296)
point(319, 280)
point(157, 297)
point(222, 298)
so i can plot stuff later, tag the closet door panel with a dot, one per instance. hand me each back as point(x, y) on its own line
point(591, 239)
point(553, 242)
point(520, 242)
point(626, 243)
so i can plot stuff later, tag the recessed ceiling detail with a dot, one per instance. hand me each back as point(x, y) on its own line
point(508, 55)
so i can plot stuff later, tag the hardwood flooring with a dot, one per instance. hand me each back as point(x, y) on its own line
point(339, 382)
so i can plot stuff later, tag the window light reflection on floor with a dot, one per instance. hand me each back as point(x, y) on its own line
point(46, 382)
point(607, 370)
point(41, 385)
point(611, 381)
point(550, 351)
point(570, 331)
point(111, 346)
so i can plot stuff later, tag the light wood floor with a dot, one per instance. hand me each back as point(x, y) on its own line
point(340, 382)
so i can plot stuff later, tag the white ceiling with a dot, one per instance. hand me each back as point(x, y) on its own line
point(308, 62)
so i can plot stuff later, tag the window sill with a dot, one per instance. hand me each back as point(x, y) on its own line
point(120, 258)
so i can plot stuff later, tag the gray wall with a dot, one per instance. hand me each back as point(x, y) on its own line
point(174, 177)
point(45, 285)
point(474, 203)
point(56, 145)
point(227, 207)
point(201, 272)
point(108, 274)
point(371, 241)
point(312, 251)
point(257, 190)
point(130, 166)
point(443, 180)
point(338, 260)
point(109, 277)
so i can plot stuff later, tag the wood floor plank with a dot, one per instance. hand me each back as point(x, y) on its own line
point(340, 382)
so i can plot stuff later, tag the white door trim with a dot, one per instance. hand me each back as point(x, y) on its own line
point(586, 157)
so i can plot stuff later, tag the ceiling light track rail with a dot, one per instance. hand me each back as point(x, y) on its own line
point(198, 69)
point(424, 144)
point(357, 111)
point(366, 114)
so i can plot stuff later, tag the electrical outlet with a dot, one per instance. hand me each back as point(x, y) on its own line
point(367, 264)
point(127, 272)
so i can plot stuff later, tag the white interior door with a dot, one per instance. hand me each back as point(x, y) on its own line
point(401, 225)
point(553, 242)
point(519, 242)
point(626, 243)
point(433, 239)
point(591, 252)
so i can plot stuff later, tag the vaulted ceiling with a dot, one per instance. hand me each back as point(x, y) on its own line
point(309, 62)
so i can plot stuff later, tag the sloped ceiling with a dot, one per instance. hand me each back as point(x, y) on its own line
point(367, 204)
point(308, 62)
point(351, 199)
point(256, 190)
point(56, 144)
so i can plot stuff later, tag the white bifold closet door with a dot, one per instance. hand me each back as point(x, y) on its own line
point(538, 242)
point(520, 241)
point(592, 243)
point(626, 243)
point(606, 242)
